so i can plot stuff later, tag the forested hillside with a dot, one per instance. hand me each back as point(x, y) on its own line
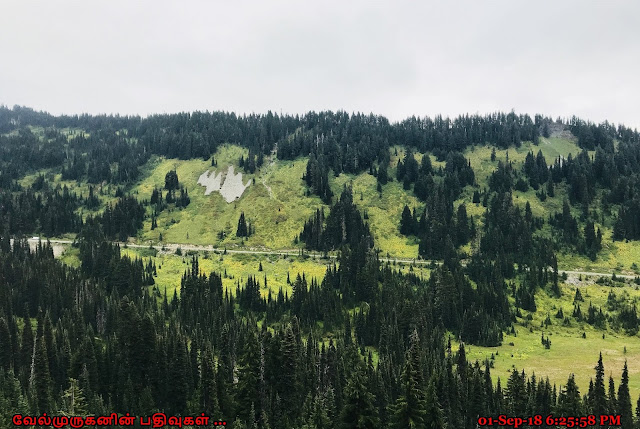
point(487, 211)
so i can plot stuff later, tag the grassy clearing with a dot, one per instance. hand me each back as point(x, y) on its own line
point(480, 156)
point(105, 193)
point(383, 211)
point(569, 352)
point(275, 203)
point(622, 257)
point(238, 267)
point(71, 256)
point(278, 205)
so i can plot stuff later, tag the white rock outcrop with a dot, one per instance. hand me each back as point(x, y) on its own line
point(228, 183)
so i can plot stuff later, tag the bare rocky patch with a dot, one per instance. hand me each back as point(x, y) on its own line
point(227, 183)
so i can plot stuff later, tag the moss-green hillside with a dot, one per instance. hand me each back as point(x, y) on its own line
point(569, 352)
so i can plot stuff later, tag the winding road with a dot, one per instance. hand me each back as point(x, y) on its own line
point(172, 247)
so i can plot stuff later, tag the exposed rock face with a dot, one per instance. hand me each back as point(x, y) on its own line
point(227, 183)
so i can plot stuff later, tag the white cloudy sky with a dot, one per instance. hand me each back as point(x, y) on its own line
point(394, 58)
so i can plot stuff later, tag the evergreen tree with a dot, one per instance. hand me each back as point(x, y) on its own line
point(73, 400)
point(5, 346)
point(41, 378)
point(248, 387)
point(406, 221)
point(569, 400)
point(624, 400)
point(26, 348)
point(516, 393)
point(208, 395)
point(242, 230)
point(358, 411)
point(410, 408)
point(289, 376)
point(171, 182)
point(434, 416)
point(598, 397)
point(611, 396)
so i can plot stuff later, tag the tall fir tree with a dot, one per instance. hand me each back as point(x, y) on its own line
point(358, 411)
point(41, 379)
point(624, 400)
point(598, 397)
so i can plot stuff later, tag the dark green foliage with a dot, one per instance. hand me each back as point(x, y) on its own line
point(41, 378)
point(508, 237)
point(551, 188)
point(410, 409)
point(434, 414)
point(501, 180)
point(261, 358)
point(244, 228)
point(317, 178)
point(592, 240)
point(591, 136)
point(6, 355)
point(171, 182)
point(358, 411)
point(627, 224)
point(125, 351)
point(119, 221)
point(408, 224)
point(516, 395)
point(535, 168)
point(344, 225)
point(597, 396)
point(624, 401)
point(47, 211)
point(569, 399)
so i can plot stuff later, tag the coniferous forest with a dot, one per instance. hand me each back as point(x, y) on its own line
point(364, 346)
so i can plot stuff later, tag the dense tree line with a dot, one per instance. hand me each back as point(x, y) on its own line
point(130, 352)
point(317, 178)
point(438, 228)
point(40, 209)
point(365, 346)
point(112, 148)
point(343, 226)
point(120, 220)
point(352, 143)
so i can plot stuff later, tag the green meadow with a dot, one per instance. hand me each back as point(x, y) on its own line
point(383, 212)
point(569, 352)
point(275, 203)
point(236, 268)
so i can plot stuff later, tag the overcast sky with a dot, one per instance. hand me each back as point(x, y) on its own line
point(393, 58)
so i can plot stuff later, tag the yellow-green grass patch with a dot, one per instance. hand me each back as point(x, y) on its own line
point(384, 211)
point(275, 204)
point(569, 352)
point(238, 267)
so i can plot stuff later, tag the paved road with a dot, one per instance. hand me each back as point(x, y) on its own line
point(592, 274)
point(172, 247)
